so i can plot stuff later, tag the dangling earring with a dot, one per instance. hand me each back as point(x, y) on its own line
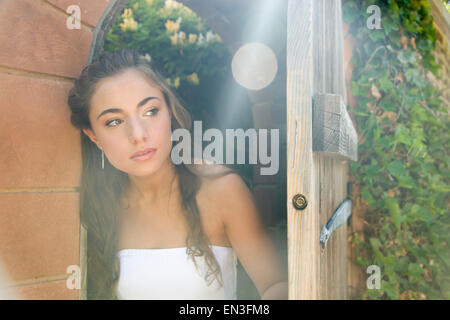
point(103, 160)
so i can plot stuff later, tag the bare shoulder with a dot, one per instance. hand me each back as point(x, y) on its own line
point(226, 193)
point(217, 191)
point(210, 171)
point(219, 181)
point(232, 202)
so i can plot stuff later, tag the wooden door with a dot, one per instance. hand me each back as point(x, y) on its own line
point(320, 142)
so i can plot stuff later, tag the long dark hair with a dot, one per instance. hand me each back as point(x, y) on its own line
point(101, 190)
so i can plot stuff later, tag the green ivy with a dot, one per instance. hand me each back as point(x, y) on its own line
point(402, 176)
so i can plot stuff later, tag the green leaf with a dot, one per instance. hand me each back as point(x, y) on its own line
point(406, 56)
point(425, 215)
point(385, 84)
point(406, 182)
point(366, 195)
point(396, 168)
point(390, 289)
point(374, 294)
point(394, 212)
point(376, 34)
point(413, 75)
point(355, 89)
point(388, 26)
point(393, 6)
point(350, 13)
point(375, 244)
point(415, 270)
point(402, 135)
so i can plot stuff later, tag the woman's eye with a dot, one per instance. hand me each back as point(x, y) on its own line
point(109, 122)
point(153, 111)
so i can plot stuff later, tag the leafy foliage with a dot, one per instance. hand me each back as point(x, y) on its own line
point(446, 4)
point(402, 176)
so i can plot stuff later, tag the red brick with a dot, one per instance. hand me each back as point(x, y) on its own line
point(39, 234)
point(90, 11)
point(53, 290)
point(34, 37)
point(40, 148)
point(345, 28)
point(349, 45)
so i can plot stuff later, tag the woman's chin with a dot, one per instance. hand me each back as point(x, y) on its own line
point(145, 168)
point(142, 172)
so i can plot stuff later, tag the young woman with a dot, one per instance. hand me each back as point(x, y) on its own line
point(157, 230)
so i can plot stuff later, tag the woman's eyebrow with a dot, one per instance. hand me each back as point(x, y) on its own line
point(118, 110)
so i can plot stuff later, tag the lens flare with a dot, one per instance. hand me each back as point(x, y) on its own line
point(254, 66)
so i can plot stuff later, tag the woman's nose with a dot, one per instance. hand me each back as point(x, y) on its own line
point(138, 130)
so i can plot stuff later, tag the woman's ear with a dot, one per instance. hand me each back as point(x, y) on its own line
point(91, 136)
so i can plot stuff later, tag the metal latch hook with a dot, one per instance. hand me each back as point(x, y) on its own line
point(339, 217)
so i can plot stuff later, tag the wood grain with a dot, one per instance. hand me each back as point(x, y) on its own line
point(315, 68)
point(303, 226)
point(333, 130)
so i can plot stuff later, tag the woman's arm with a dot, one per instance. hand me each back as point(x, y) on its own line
point(248, 236)
point(279, 291)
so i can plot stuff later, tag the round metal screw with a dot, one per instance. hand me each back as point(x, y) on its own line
point(299, 201)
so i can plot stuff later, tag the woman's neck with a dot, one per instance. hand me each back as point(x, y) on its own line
point(155, 187)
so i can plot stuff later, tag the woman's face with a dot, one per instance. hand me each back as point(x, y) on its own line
point(127, 115)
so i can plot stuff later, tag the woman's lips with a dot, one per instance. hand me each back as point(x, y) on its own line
point(145, 156)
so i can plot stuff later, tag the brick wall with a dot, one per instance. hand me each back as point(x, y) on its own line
point(40, 155)
point(441, 22)
point(442, 56)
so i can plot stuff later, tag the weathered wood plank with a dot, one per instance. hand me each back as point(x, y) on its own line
point(303, 226)
point(83, 263)
point(315, 66)
point(332, 177)
point(333, 131)
point(329, 111)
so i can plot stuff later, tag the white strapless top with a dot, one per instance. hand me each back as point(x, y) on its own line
point(170, 274)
